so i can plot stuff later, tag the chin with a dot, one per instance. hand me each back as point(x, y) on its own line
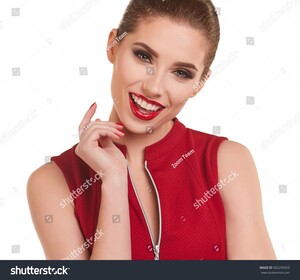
point(139, 127)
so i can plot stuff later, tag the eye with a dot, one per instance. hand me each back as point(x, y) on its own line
point(143, 56)
point(184, 74)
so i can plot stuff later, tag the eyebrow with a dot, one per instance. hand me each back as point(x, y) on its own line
point(155, 54)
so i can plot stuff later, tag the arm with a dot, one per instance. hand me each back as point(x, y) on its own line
point(246, 233)
point(47, 186)
point(62, 238)
point(116, 243)
point(45, 189)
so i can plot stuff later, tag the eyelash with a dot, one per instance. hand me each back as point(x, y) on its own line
point(141, 53)
point(138, 54)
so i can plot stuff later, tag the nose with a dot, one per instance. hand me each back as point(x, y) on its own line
point(153, 84)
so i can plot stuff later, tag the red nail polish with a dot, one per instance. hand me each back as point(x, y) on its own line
point(120, 124)
point(92, 105)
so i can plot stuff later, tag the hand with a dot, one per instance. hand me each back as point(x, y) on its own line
point(96, 146)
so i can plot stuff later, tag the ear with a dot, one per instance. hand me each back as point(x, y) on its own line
point(111, 43)
point(198, 86)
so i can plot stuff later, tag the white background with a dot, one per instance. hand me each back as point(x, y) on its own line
point(41, 108)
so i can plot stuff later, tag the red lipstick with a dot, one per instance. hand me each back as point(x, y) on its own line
point(143, 113)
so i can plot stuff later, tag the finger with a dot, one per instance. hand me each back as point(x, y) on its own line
point(88, 116)
point(96, 134)
point(101, 140)
point(117, 125)
point(106, 142)
point(98, 121)
point(102, 126)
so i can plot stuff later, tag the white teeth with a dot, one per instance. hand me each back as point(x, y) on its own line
point(139, 101)
point(144, 104)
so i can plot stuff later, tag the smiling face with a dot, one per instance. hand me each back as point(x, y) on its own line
point(155, 71)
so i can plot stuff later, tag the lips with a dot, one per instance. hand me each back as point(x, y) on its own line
point(143, 108)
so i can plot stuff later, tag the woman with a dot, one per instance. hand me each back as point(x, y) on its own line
point(141, 185)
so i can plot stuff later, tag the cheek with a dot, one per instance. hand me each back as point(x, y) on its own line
point(179, 94)
point(127, 70)
point(120, 77)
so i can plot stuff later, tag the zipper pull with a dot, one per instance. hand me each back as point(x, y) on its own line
point(156, 252)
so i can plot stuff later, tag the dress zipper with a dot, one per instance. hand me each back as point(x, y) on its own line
point(156, 247)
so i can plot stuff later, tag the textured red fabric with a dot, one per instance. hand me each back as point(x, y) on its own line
point(184, 166)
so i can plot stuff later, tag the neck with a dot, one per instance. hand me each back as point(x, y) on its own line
point(136, 143)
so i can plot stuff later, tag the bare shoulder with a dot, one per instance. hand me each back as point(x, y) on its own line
point(246, 233)
point(230, 151)
point(56, 226)
point(46, 171)
point(243, 188)
point(47, 182)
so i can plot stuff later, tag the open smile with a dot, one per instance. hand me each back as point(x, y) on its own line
point(143, 108)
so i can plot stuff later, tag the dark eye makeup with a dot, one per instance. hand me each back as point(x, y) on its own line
point(147, 58)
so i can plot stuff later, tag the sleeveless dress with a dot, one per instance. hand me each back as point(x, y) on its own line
point(182, 167)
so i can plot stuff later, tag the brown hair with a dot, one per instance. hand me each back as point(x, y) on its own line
point(199, 14)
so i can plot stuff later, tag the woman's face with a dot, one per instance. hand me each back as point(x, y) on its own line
point(155, 71)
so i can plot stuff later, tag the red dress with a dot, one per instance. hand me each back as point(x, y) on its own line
point(182, 167)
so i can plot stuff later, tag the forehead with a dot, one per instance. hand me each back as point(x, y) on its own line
point(171, 39)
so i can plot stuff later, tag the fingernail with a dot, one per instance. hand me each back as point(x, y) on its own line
point(120, 124)
point(92, 105)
